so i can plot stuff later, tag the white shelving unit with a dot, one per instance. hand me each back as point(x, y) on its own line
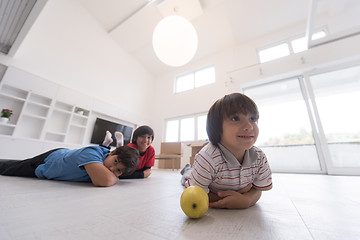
point(45, 115)
point(14, 99)
point(41, 118)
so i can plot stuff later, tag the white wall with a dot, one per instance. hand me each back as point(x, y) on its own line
point(238, 65)
point(67, 46)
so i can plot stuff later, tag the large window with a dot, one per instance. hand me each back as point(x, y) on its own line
point(195, 79)
point(285, 128)
point(287, 47)
point(337, 96)
point(186, 129)
point(311, 123)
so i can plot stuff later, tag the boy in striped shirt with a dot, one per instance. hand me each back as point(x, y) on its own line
point(230, 168)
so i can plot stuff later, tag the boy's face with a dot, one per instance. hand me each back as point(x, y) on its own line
point(239, 133)
point(114, 165)
point(143, 142)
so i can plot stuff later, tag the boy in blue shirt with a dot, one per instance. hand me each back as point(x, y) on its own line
point(94, 163)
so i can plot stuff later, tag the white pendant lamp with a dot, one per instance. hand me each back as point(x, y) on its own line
point(175, 40)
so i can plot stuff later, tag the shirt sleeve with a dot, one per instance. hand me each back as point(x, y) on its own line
point(89, 155)
point(263, 180)
point(150, 159)
point(201, 172)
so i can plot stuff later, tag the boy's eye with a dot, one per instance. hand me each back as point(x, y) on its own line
point(253, 119)
point(115, 161)
point(235, 118)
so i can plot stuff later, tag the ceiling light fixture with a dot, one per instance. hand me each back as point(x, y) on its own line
point(175, 40)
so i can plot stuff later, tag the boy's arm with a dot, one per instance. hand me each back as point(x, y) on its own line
point(141, 173)
point(100, 175)
point(233, 199)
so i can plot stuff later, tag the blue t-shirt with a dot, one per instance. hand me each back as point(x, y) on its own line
point(68, 165)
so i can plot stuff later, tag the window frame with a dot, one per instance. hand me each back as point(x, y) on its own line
point(193, 73)
point(195, 116)
point(288, 41)
point(315, 120)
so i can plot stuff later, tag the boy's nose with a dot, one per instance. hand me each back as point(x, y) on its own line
point(248, 126)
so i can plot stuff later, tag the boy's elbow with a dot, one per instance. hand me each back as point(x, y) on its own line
point(254, 198)
point(104, 182)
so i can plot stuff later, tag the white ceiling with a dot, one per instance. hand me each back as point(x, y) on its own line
point(223, 23)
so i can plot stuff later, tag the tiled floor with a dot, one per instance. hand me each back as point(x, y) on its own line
point(298, 207)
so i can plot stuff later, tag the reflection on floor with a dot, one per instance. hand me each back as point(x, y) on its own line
point(299, 206)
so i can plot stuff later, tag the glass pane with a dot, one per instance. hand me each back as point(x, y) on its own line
point(205, 77)
point(201, 128)
point(337, 95)
point(272, 53)
point(285, 130)
point(318, 35)
point(185, 82)
point(299, 45)
point(187, 129)
point(172, 131)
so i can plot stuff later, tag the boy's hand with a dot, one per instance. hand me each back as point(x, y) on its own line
point(147, 173)
point(233, 199)
point(230, 199)
point(100, 175)
point(245, 189)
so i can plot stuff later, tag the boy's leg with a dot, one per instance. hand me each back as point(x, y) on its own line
point(23, 168)
point(185, 172)
point(119, 139)
point(107, 140)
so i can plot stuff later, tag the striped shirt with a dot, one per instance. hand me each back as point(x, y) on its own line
point(216, 169)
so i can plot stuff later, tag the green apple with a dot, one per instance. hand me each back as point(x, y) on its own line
point(194, 202)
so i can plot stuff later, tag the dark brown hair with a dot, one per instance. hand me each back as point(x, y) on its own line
point(142, 130)
point(129, 157)
point(225, 107)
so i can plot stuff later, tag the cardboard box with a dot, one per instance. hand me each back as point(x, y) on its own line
point(191, 161)
point(169, 161)
point(172, 148)
point(196, 147)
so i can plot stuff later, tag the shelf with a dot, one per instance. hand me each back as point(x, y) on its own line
point(57, 133)
point(58, 121)
point(30, 127)
point(11, 97)
point(42, 113)
point(15, 104)
point(79, 120)
point(36, 109)
point(7, 124)
point(77, 126)
point(54, 137)
point(13, 92)
point(75, 135)
point(41, 100)
point(63, 106)
point(7, 129)
point(34, 116)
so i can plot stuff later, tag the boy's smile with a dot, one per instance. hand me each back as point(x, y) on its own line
point(239, 133)
point(143, 142)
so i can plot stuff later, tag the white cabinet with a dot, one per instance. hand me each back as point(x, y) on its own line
point(33, 116)
point(41, 118)
point(14, 99)
point(45, 115)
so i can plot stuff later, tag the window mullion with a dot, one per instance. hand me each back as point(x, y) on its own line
point(314, 121)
